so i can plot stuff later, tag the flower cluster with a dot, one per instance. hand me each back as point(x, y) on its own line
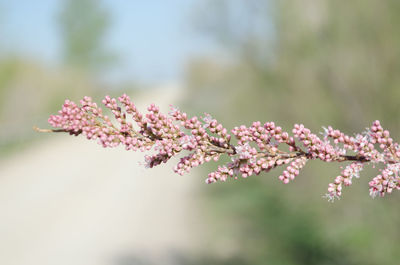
point(259, 148)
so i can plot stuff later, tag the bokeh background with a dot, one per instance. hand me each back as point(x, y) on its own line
point(66, 201)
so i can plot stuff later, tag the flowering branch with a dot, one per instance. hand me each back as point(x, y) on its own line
point(259, 148)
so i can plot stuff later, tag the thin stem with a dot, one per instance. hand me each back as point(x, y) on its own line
point(49, 130)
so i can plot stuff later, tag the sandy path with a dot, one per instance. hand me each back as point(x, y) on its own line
point(68, 201)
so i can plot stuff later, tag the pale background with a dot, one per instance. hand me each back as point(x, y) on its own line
point(65, 200)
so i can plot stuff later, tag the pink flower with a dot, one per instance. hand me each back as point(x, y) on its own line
point(259, 148)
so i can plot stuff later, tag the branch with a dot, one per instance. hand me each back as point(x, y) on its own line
point(258, 147)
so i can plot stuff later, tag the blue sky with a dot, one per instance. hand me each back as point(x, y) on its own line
point(154, 39)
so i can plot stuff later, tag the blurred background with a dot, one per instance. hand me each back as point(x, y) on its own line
point(64, 200)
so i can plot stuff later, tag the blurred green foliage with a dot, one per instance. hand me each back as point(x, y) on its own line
point(83, 25)
point(313, 62)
